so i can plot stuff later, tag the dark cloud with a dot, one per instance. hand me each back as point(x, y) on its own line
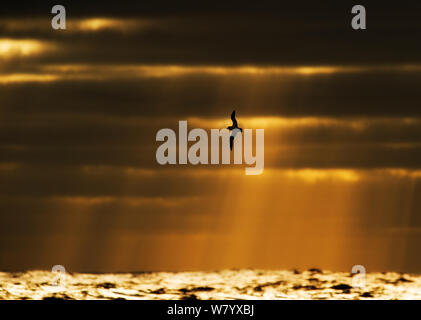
point(350, 94)
point(259, 33)
point(99, 132)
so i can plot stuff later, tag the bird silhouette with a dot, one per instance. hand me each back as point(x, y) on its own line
point(234, 129)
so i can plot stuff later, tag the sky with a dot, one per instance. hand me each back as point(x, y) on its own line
point(80, 109)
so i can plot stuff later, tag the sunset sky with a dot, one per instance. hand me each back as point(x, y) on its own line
point(80, 109)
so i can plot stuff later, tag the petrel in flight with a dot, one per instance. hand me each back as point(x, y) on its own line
point(234, 128)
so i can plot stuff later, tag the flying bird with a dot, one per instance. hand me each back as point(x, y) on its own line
point(234, 129)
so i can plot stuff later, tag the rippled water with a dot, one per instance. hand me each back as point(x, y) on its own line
point(226, 284)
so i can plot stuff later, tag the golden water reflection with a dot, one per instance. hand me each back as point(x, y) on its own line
point(225, 284)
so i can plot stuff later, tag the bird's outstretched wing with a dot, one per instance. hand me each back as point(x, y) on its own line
point(234, 121)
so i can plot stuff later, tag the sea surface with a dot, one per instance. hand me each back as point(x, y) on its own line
point(225, 284)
